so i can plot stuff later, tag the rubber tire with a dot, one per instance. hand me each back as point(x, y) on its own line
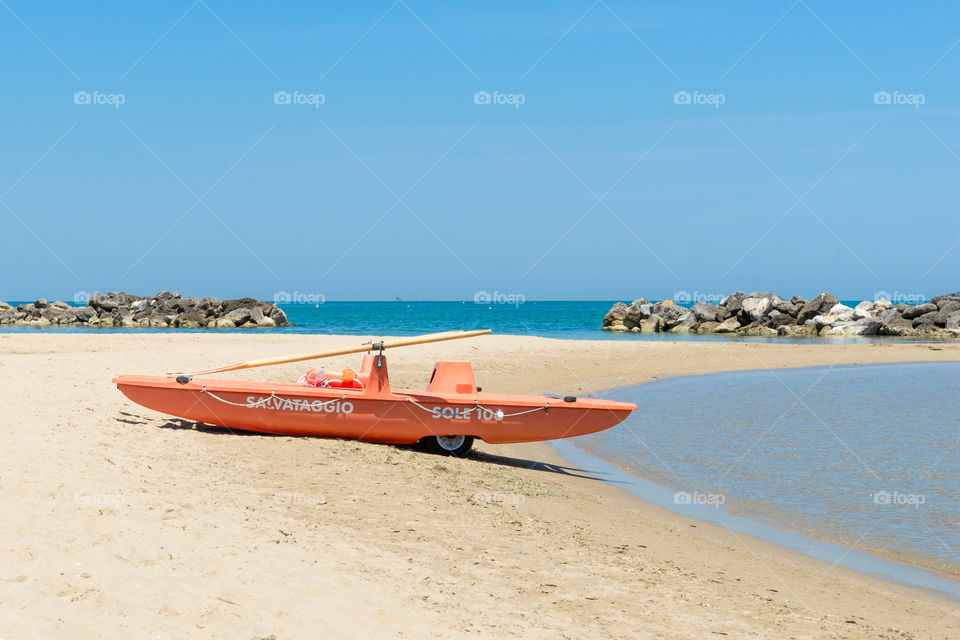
point(433, 445)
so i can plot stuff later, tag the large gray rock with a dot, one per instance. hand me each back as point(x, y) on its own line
point(953, 320)
point(757, 307)
point(916, 311)
point(733, 302)
point(927, 318)
point(729, 325)
point(786, 307)
point(819, 305)
point(944, 309)
point(614, 317)
point(239, 316)
point(705, 312)
point(862, 327)
point(898, 326)
point(778, 319)
point(651, 324)
point(864, 310)
point(842, 312)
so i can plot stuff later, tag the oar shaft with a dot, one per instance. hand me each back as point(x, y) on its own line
point(402, 342)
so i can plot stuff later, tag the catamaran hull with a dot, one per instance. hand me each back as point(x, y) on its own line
point(372, 415)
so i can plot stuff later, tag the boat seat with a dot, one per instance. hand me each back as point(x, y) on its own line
point(451, 376)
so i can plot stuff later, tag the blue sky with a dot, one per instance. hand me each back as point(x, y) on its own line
point(602, 183)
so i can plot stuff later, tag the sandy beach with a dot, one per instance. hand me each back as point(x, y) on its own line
point(120, 522)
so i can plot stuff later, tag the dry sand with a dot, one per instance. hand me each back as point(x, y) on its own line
point(119, 522)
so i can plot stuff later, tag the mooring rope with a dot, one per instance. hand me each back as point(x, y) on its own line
point(263, 401)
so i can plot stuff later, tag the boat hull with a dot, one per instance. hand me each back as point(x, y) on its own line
point(374, 414)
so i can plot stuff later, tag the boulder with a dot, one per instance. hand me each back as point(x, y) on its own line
point(707, 327)
point(864, 310)
point(41, 304)
point(778, 319)
point(918, 310)
point(796, 330)
point(230, 305)
point(898, 326)
point(733, 303)
point(705, 312)
point(651, 324)
point(863, 327)
point(939, 300)
point(819, 305)
point(944, 309)
point(756, 307)
point(882, 304)
point(842, 312)
point(786, 307)
point(953, 320)
point(279, 317)
point(139, 305)
point(614, 317)
point(728, 326)
point(239, 316)
point(927, 318)
point(223, 323)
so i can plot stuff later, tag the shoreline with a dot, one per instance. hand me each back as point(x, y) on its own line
point(212, 528)
point(888, 567)
point(767, 529)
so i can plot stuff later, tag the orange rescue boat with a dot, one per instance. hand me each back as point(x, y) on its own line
point(446, 417)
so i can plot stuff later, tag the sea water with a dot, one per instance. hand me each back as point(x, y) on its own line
point(574, 320)
point(866, 456)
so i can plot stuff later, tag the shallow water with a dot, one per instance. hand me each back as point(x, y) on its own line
point(867, 456)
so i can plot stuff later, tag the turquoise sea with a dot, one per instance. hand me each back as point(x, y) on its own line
point(566, 320)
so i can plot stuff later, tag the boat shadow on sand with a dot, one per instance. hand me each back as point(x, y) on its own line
point(480, 456)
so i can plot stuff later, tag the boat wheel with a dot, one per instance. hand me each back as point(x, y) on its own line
point(449, 445)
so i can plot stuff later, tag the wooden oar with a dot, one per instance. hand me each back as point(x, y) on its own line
point(403, 342)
